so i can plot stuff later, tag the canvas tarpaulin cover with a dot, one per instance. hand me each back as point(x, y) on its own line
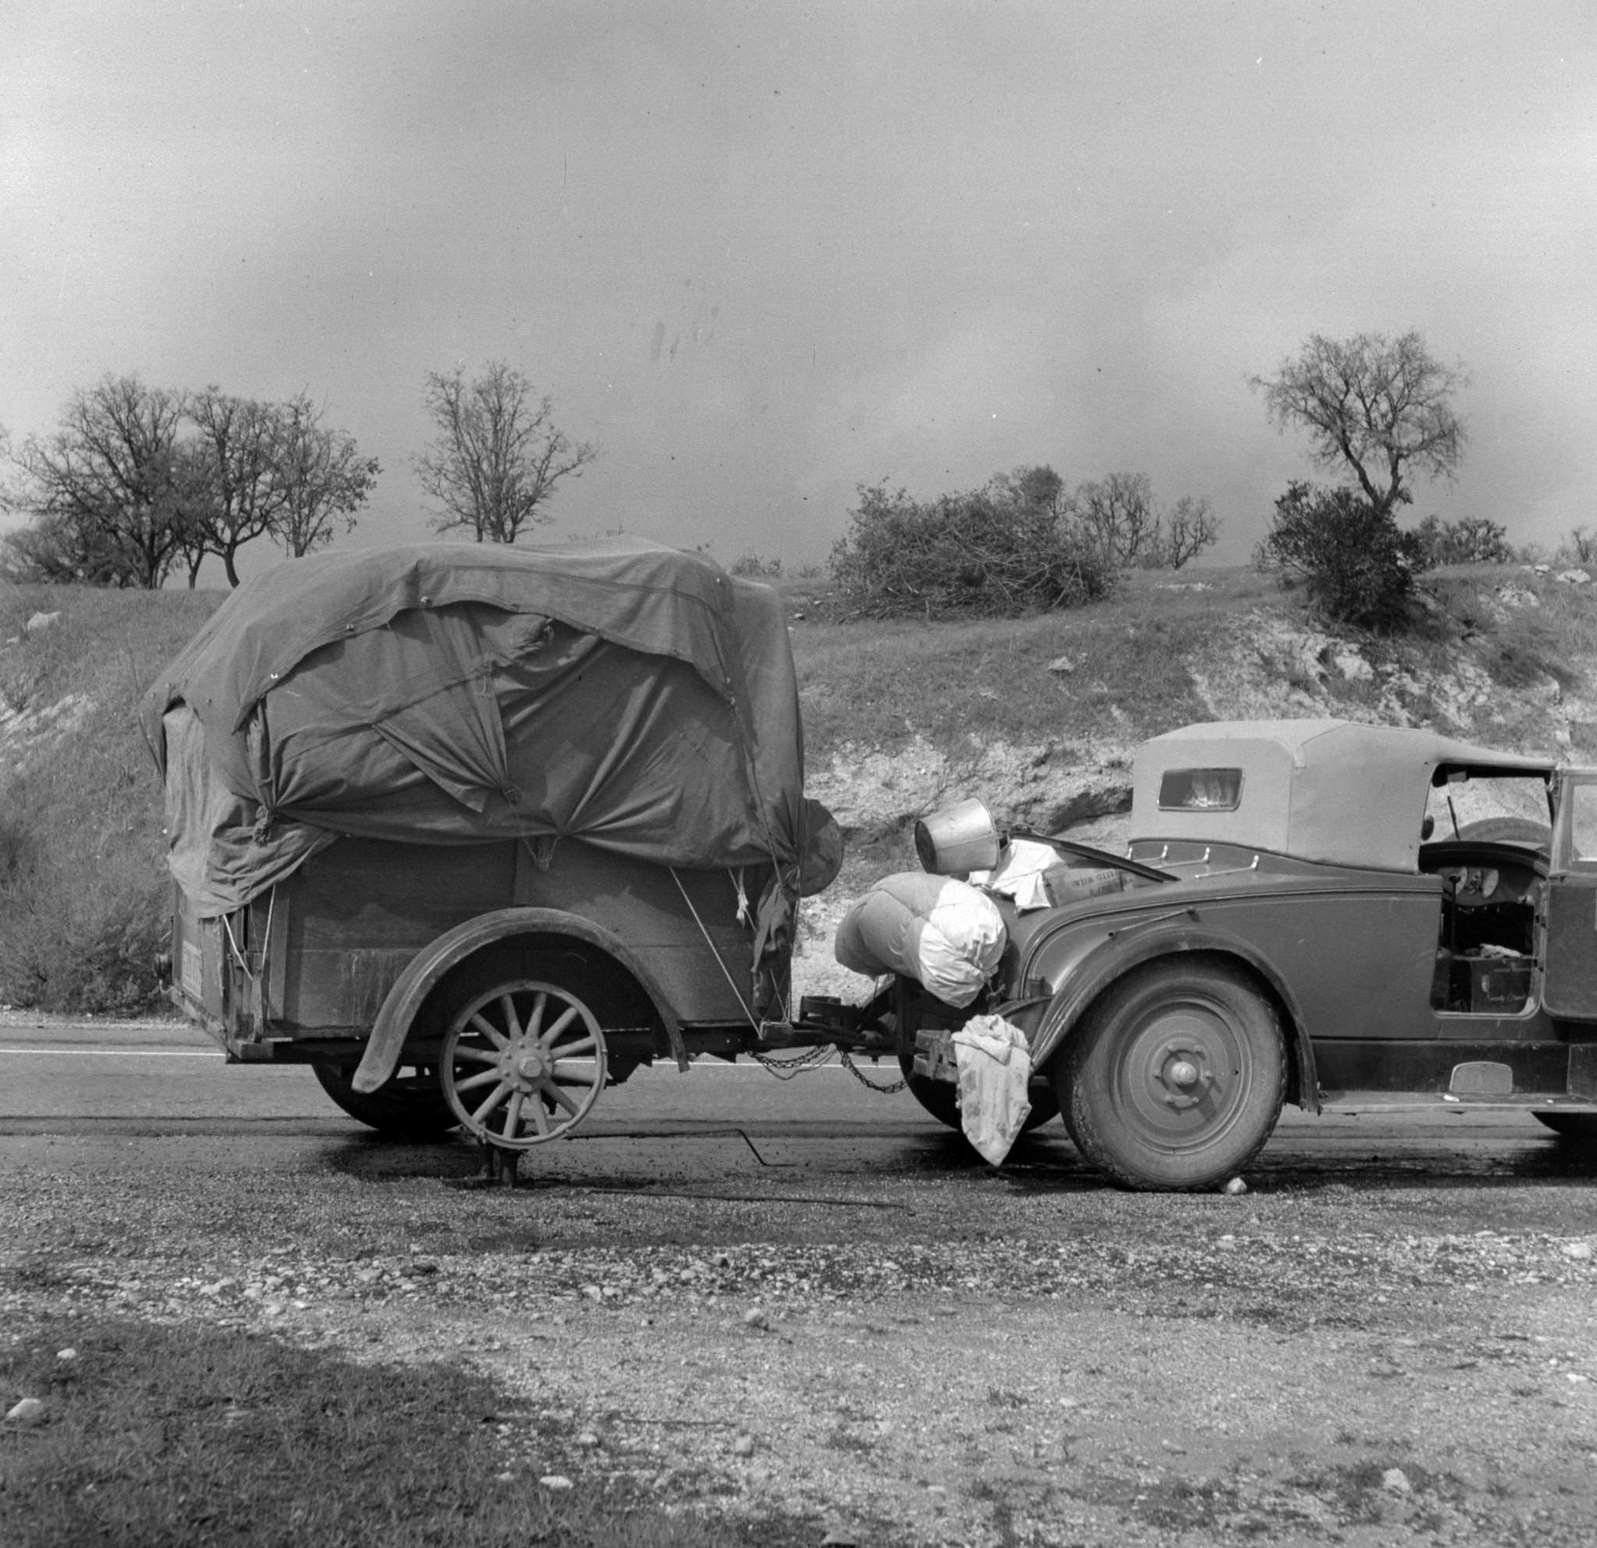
point(633, 697)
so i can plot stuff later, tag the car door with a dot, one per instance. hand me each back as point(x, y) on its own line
point(1570, 935)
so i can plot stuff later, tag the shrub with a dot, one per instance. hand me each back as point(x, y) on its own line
point(756, 567)
point(1472, 540)
point(1357, 565)
point(990, 553)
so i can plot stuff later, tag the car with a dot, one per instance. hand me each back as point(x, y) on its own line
point(1332, 914)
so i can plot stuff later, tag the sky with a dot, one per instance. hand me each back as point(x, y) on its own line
point(763, 254)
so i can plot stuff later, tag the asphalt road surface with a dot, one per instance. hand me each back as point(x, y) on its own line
point(123, 1084)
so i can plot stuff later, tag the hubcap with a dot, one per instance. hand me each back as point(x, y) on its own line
point(1177, 1072)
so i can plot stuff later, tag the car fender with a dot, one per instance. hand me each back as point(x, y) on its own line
point(1084, 968)
point(424, 971)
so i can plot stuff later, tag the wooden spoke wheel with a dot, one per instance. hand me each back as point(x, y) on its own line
point(523, 1062)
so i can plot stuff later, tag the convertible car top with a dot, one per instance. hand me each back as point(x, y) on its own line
point(1325, 790)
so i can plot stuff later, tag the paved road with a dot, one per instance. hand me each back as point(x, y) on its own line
point(129, 1090)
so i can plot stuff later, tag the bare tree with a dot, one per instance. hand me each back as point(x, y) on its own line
point(109, 492)
point(320, 477)
point(1190, 527)
point(1117, 516)
point(498, 455)
point(1372, 406)
point(234, 458)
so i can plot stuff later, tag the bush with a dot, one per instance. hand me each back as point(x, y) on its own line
point(1473, 540)
point(756, 567)
point(85, 896)
point(1357, 565)
point(990, 553)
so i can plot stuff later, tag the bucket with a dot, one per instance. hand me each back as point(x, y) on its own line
point(957, 840)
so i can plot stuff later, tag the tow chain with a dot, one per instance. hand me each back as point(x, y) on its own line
point(859, 1075)
point(787, 1069)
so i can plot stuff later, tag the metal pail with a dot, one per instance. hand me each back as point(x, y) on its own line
point(957, 840)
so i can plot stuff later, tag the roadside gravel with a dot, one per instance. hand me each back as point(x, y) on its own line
point(976, 1357)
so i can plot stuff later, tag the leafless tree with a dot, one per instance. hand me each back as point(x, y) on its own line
point(1374, 407)
point(234, 457)
point(498, 456)
point(109, 491)
point(320, 476)
point(1189, 527)
point(1117, 516)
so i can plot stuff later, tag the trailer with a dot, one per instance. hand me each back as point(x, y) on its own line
point(475, 831)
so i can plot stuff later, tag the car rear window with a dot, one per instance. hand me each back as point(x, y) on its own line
point(1200, 790)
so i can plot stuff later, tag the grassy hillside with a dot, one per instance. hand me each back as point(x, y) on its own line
point(1037, 715)
point(82, 887)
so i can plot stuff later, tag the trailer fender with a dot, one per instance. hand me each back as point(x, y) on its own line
point(425, 970)
point(1118, 953)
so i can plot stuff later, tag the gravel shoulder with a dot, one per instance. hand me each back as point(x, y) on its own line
point(912, 1355)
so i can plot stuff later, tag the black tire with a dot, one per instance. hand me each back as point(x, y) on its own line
point(410, 1106)
point(940, 1099)
point(1175, 1077)
point(1579, 1127)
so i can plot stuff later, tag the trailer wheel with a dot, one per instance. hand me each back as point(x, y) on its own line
point(523, 1062)
point(1176, 1077)
point(409, 1106)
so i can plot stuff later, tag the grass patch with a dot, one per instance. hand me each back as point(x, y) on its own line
point(1118, 665)
point(166, 1437)
point(83, 890)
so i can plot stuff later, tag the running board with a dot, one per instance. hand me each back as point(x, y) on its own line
point(1448, 1101)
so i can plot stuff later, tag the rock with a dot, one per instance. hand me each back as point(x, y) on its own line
point(1235, 1186)
point(42, 621)
point(1511, 596)
point(1580, 1251)
point(29, 1411)
point(1395, 1481)
point(1061, 666)
point(555, 1481)
point(66, 1354)
point(587, 1440)
point(1353, 667)
point(1574, 577)
point(754, 1317)
point(743, 1446)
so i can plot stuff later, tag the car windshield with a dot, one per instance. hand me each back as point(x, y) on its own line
point(1505, 808)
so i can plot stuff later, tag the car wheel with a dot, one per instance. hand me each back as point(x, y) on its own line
point(1175, 1077)
point(523, 1062)
point(409, 1106)
point(939, 1099)
point(1580, 1127)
